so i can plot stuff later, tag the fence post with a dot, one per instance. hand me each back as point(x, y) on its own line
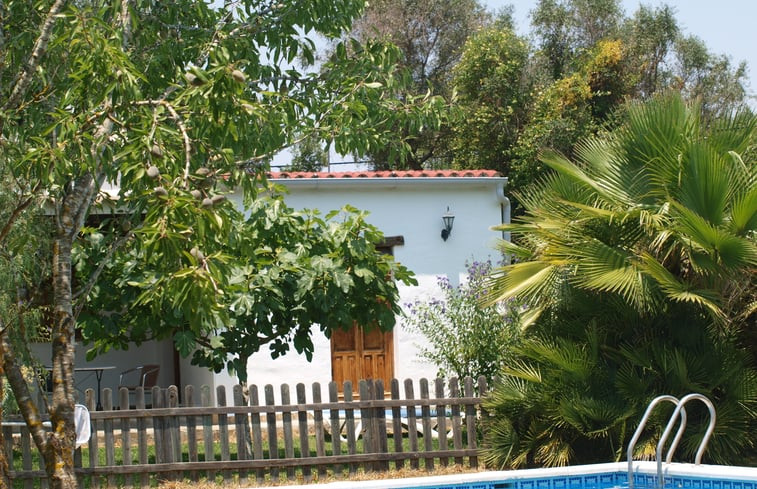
point(412, 434)
point(223, 430)
point(428, 441)
point(302, 421)
point(382, 443)
point(207, 431)
point(241, 429)
point(286, 420)
point(470, 420)
point(123, 404)
point(257, 435)
point(190, 401)
point(366, 416)
point(336, 425)
point(397, 424)
point(457, 435)
point(441, 420)
point(320, 439)
point(173, 432)
point(273, 438)
point(349, 423)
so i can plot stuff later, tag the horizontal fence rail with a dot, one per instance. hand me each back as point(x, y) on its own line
point(259, 437)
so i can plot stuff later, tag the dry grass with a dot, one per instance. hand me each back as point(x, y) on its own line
point(320, 479)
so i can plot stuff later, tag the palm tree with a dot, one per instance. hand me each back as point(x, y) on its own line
point(660, 210)
point(636, 263)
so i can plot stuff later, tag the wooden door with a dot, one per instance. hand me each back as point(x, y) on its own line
point(361, 353)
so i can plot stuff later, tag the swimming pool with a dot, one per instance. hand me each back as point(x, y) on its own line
point(598, 476)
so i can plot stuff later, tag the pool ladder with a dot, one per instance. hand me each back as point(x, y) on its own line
point(678, 412)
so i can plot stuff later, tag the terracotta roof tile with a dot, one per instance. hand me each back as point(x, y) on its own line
point(389, 174)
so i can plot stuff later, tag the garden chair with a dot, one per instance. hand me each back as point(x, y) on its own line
point(145, 376)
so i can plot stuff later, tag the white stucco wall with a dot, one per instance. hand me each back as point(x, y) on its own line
point(407, 207)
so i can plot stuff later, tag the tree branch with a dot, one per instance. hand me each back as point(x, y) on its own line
point(23, 79)
point(182, 128)
point(16, 213)
point(84, 291)
point(20, 389)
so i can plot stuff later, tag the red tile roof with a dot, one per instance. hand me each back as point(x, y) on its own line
point(389, 174)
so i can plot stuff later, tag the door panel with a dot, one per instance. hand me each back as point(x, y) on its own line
point(358, 354)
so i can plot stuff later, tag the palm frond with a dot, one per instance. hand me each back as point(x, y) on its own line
point(735, 132)
point(528, 280)
point(607, 269)
point(744, 212)
point(510, 248)
point(727, 249)
point(523, 371)
point(704, 184)
point(565, 167)
point(555, 452)
point(677, 290)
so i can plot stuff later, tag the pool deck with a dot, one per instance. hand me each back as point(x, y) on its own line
point(648, 468)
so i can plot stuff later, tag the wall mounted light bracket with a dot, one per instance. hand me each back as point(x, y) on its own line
point(448, 218)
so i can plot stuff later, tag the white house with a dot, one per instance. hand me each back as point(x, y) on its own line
point(408, 207)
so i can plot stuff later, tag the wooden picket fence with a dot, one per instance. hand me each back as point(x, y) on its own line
point(368, 430)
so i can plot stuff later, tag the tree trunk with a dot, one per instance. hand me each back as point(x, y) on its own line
point(5, 476)
point(59, 456)
point(59, 450)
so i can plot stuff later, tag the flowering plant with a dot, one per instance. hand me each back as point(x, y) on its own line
point(464, 337)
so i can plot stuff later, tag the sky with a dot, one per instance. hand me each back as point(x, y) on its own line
point(727, 27)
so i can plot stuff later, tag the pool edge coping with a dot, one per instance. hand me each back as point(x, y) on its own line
point(674, 469)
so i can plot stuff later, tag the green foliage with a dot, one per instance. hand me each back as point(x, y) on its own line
point(282, 273)
point(585, 374)
point(430, 35)
point(587, 62)
point(465, 339)
point(140, 115)
point(308, 155)
point(177, 105)
point(662, 213)
point(493, 95)
point(649, 239)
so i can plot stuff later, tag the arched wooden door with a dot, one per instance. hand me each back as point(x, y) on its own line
point(361, 353)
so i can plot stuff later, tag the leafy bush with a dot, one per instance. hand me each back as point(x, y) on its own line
point(580, 383)
point(464, 337)
point(637, 269)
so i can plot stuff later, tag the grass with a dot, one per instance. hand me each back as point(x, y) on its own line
point(319, 475)
point(319, 478)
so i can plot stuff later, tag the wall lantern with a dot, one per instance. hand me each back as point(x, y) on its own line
point(448, 218)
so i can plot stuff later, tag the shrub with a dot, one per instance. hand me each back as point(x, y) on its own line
point(464, 337)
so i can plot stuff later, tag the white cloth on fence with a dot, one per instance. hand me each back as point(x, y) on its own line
point(82, 425)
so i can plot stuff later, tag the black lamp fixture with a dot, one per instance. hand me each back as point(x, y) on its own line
point(448, 218)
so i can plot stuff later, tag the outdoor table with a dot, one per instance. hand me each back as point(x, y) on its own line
point(98, 371)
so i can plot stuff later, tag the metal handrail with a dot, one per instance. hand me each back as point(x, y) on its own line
point(643, 422)
point(700, 451)
point(679, 411)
